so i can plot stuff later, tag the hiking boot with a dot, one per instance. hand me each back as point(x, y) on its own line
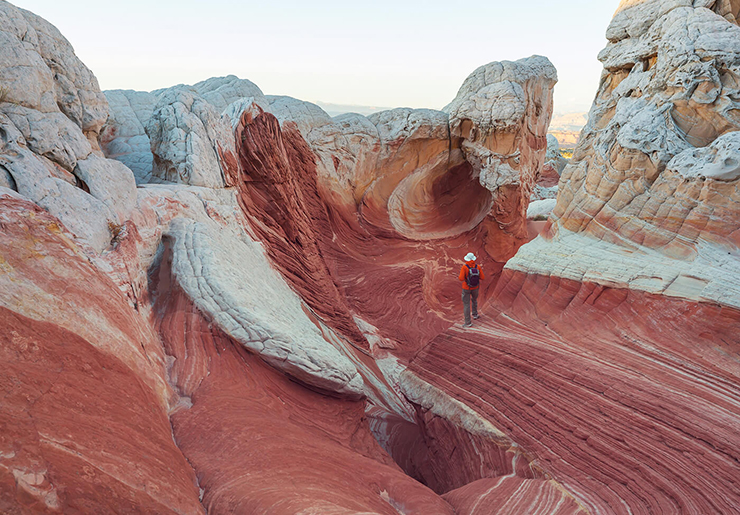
point(467, 325)
point(476, 317)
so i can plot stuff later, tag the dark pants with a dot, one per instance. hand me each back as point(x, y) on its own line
point(467, 295)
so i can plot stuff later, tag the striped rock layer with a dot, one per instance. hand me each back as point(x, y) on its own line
point(220, 301)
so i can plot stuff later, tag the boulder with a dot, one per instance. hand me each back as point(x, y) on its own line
point(124, 136)
point(188, 137)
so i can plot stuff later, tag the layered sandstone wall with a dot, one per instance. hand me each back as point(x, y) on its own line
point(610, 354)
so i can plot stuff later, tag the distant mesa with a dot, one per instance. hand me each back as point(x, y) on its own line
point(567, 128)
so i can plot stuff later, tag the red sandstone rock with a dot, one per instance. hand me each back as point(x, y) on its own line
point(510, 494)
point(626, 399)
point(278, 194)
point(407, 289)
point(577, 396)
point(83, 417)
point(261, 443)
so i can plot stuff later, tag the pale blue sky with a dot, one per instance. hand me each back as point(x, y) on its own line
point(387, 53)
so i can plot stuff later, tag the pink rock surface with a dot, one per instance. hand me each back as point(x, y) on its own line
point(511, 494)
point(628, 400)
point(83, 424)
point(261, 443)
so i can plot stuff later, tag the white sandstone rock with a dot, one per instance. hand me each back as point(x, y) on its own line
point(719, 161)
point(305, 115)
point(186, 147)
point(712, 275)
point(51, 116)
point(230, 280)
point(552, 156)
point(222, 91)
point(649, 200)
point(110, 182)
point(124, 136)
point(404, 124)
point(51, 135)
point(33, 177)
point(496, 104)
point(10, 192)
point(186, 136)
point(40, 71)
point(6, 180)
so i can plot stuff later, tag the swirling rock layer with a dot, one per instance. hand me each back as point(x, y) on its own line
point(264, 444)
point(254, 306)
point(628, 417)
point(83, 422)
point(393, 209)
point(602, 377)
point(513, 495)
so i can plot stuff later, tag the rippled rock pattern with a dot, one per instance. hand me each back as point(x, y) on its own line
point(621, 318)
point(84, 415)
point(617, 412)
point(216, 300)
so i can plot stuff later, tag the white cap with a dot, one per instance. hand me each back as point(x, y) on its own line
point(470, 257)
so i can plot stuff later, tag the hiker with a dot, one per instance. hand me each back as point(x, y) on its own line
point(471, 275)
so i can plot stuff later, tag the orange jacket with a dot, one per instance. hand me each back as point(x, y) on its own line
point(464, 275)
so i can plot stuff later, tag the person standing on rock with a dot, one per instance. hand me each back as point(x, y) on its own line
point(471, 275)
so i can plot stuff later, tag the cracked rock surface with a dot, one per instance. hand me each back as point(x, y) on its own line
point(254, 306)
point(650, 199)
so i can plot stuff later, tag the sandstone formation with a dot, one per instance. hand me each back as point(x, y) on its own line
point(264, 444)
point(51, 114)
point(183, 302)
point(653, 182)
point(502, 112)
point(84, 416)
point(124, 135)
point(615, 412)
point(187, 136)
point(206, 263)
point(220, 301)
point(512, 495)
point(553, 156)
point(610, 354)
